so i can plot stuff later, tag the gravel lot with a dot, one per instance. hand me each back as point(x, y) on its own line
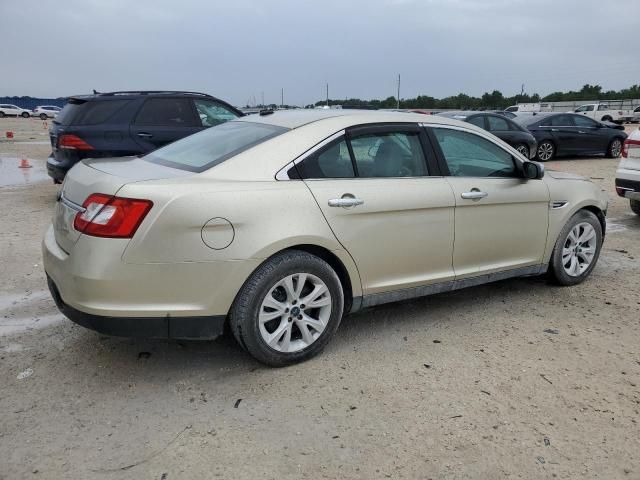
point(517, 379)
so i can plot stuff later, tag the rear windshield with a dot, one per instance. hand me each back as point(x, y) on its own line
point(213, 146)
point(89, 113)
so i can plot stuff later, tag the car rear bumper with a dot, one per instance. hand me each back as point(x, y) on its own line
point(95, 288)
point(628, 187)
point(57, 169)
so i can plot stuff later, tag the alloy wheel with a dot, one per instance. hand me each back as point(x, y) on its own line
point(545, 151)
point(579, 249)
point(616, 148)
point(522, 149)
point(295, 312)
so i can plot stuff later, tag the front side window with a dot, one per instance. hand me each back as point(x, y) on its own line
point(585, 108)
point(167, 112)
point(469, 155)
point(497, 124)
point(333, 161)
point(213, 146)
point(584, 122)
point(393, 154)
point(212, 113)
point(603, 107)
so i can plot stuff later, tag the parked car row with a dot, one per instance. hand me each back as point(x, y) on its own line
point(43, 111)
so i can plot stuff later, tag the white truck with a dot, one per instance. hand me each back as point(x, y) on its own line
point(628, 173)
point(529, 108)
point(604, 112)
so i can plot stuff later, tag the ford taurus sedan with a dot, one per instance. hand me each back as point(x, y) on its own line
point(280, 224)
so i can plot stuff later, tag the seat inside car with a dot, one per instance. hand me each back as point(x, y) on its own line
point(390, 161)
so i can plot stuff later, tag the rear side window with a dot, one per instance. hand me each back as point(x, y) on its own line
point(90, 113)
point(394, 154)
point(332, 161)
point(167, 112)
point(584, 122)
point(469, 155)
point(477, 121)
point(497, 124)
point(206, 149)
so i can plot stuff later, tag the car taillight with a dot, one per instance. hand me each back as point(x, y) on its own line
point(629, 145)
point(73, 142)
point(111, 217)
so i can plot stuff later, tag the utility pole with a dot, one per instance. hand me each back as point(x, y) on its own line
point(398, 98)
point(522, 90)
point(282, 98)
point(263, 99)
point(327, 94)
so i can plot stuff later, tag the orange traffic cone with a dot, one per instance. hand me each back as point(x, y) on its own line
point(9, 134)
point(24, 163)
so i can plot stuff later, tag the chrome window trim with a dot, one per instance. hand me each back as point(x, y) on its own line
point(282, 174)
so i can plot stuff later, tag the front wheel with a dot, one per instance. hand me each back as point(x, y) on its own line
point(289, 309)
point(25, 115)
point(2, 115)
point(615, 147)
point(43, 116)
point(635, 206)
point(577, 249)
point(545, 151)
point(523, 150)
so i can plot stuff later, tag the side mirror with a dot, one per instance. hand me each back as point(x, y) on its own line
point(533, 170)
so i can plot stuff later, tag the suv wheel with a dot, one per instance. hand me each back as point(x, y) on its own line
point(545, 152)
point(615, 147)
point(43, 116)
point(25, 115)
point(577, 249)
point(289, 309)
point(2, 115)
point(635, 206)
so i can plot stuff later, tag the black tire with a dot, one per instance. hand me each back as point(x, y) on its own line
point(25, 115)
point(556, 270)
point(615, 148)
point(43, 116)
point(243, 317)
point(523, 149)
point(635, 206)
point(607, 118)
point(2, 115)
point(545, 148)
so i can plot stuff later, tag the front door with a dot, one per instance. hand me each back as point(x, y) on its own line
point(374, 187)
point(501, 219)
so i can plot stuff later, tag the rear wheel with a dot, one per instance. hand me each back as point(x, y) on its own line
point(607, 118)
point(615, 147)
point(523, 149)
point(577, 249)
point(635, 206)
point(43, 116)
point(2, 115)
point(546, 151)
point(289, 309)
point(25, 115)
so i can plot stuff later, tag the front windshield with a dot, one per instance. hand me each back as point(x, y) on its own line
point(208, 148)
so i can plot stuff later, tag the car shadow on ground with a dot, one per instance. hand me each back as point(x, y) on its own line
point(223, 356)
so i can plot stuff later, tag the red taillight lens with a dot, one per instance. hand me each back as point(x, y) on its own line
point(112, 217)
point(630, 145)
point(73, 142)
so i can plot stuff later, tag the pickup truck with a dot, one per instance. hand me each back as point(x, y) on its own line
point(604, 113)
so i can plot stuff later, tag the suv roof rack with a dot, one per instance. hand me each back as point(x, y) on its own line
point(151, 92)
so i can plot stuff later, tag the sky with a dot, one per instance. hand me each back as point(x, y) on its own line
point(239, 50)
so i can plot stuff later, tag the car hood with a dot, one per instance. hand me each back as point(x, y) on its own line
point(564, 175)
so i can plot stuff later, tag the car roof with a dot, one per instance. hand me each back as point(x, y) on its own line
point(293, 119)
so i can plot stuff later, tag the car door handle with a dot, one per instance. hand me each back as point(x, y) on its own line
point(580, 131)
point(345, 202)
point(145, 135)
point(474, 195)
point(555, 129)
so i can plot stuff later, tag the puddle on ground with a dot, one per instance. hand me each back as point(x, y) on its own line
point(12, 174)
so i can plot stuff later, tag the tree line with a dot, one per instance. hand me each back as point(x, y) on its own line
point(488, 101)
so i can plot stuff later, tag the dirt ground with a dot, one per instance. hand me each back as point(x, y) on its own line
point(517, 379)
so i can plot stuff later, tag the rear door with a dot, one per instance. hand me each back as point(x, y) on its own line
point(501, 219)
point(563, 132)
point(592, 137)
point(163, 120)
point(383, 202)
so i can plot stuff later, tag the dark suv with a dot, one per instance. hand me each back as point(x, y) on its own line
point(120, 124)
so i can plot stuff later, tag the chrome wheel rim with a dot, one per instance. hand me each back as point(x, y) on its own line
point(579, 249)
point(545, 151)
point(616, 148)
point(523, 150)
point(294, 313)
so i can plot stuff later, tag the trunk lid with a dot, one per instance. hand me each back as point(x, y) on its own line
point(105, 175)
